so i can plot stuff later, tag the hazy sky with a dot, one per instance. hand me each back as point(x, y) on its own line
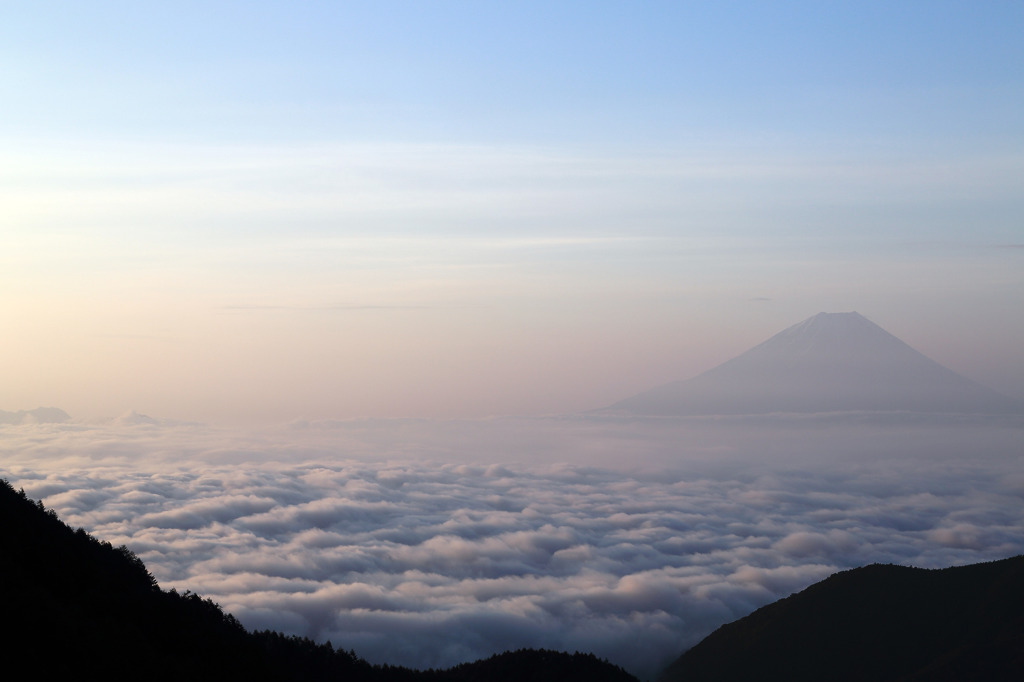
point(264, 211)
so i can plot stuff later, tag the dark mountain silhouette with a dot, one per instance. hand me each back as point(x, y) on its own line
point(832, 362)
point(880, 623)
point(538, 665)
point(75, 607)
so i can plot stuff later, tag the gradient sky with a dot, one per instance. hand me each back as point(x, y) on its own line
point(265, 211)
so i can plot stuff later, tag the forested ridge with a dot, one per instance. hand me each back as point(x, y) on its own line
point(77, 606)
point(883, 623)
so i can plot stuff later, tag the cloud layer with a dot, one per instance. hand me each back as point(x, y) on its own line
point(448, 553)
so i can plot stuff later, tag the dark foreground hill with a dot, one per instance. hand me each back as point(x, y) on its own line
point(77, 608)
point(879, 623)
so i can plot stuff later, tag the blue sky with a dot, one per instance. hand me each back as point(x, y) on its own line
point(653, 75)
point(232, 210)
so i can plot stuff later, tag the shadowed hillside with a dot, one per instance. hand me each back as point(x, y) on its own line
point(77, 607)
point(879, 623)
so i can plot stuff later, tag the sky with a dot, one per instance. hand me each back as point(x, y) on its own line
point(325, 288)
point(253, 212)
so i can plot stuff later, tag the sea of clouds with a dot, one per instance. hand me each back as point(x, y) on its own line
point(430, 543)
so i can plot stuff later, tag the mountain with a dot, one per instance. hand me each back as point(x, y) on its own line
point(880, 623)
point(133, 418)
point(537, 665)
point(75, 607)
point(40, 415)
point(831, 362)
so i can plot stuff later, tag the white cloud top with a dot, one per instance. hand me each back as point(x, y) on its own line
point(425, 564)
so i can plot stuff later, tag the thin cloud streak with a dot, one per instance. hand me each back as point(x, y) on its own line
point(325, 307)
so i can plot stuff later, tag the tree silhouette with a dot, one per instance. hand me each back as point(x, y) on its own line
point(78, 607)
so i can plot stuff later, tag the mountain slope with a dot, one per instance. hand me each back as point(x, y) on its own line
point(75, 607)
point(831, 362)
point(40, 415)
point(880, 623)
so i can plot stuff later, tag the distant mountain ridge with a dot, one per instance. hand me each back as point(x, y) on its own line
point(40, 415)
point(831, 362)
point(882, 623)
